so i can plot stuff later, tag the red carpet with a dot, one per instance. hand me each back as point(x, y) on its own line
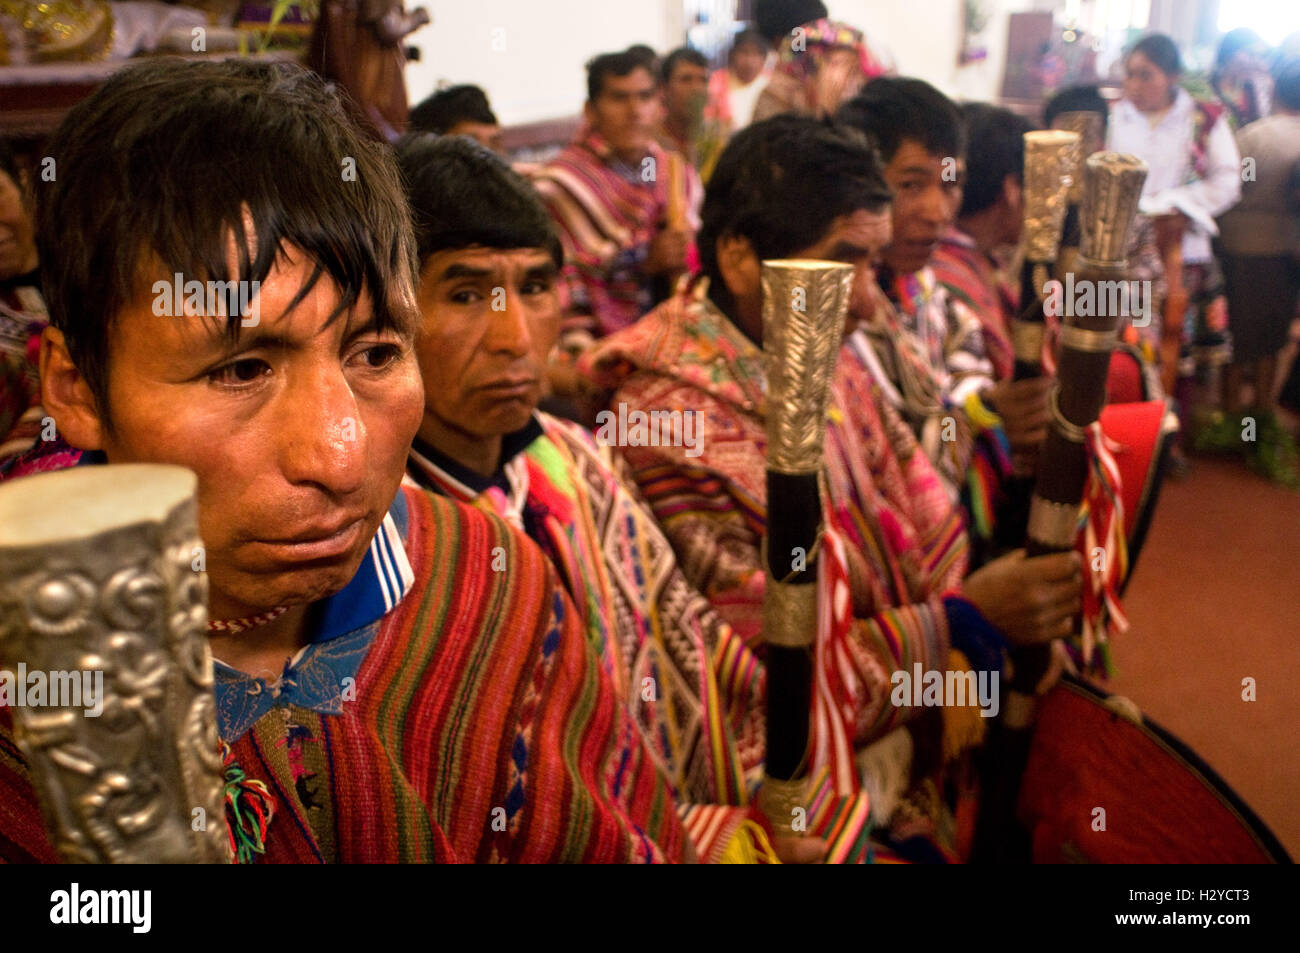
point(1216, 599)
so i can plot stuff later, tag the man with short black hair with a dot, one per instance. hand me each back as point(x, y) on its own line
point(625, 208)
point(929, 351)
point(795, 187)
point(489, 266)
point(969, 261)
point(684, 78)
point(458, 111)
point(405, 677)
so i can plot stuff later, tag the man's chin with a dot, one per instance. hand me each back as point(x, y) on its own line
point(289, 587)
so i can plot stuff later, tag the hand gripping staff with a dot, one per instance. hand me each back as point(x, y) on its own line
point(1112, 186)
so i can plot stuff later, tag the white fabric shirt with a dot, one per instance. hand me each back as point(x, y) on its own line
point(1171, 183)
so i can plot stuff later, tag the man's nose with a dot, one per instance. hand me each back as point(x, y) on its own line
point(322, 436)
point(508, 330)
point(935, 205)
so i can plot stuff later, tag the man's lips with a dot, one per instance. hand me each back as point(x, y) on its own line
point(315, 543)
point(510, 387)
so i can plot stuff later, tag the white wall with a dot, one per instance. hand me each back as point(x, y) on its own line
point(924, 37)
point(529, 54)
point(535, 68)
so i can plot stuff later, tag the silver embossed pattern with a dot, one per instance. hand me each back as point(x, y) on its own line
point(97, 575)
point(1051, 156)
point(1112, 187)
point(805, 305)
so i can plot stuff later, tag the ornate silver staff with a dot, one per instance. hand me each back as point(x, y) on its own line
point(804, 308)
point(1112, 187)
point(100, 599)
point(1090, 127)
point(1050, 159)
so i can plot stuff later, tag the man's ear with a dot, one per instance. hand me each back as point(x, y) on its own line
point(66, 395)
point(1013, 194)
point(738, 265)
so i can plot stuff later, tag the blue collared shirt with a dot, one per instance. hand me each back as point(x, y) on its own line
point(319, 676)
point(344, 625)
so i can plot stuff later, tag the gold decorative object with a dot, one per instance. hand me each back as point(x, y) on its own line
point(1054, 525)
point(789, 614)
point(98, 587)
point(1113, 183)
point(1092, 138)
point(62, 29)
point(1050, 158)
point(805, 304)
point(783, 804)
point(1027, 340)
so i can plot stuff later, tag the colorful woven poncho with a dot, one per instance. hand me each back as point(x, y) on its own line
point(607, 213)
point(659, 638)
point(893, 538)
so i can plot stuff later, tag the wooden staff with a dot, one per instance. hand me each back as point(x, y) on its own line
point(675, 214)
point(97, 579)
point(1113, 184)
point(1051, 158)
point(804, 309)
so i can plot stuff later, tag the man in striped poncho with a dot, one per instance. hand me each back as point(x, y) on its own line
point(398, 677)
point(489, 264)
point(792, 187)
point(625, 208)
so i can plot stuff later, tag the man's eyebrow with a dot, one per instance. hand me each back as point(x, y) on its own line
point(545, 270)
point(244, 339)
point(458, 270)
point(849, 251)
point(914, 170)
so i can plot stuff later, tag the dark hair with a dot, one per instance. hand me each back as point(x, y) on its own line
point(615, 64)
point(1234, 42)
point(892, 109)
point(1286, 83)
point(1161, 51)
point(647, 55)
point(995, 149)
point(781, 183)
point(775, 18)
point(683, 54)
point(9, 165)
point(750, 37)
point(166, 158)
point(462, 194)
point(444, 109)
point(1076, 99)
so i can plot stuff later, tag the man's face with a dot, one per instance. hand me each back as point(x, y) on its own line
point(856, 239)
point(747, 62)
point(686, 92)
point(298, 432)
point(625, 112)
point(490, 319)
point(1145, 85)
point(17, 241)
point(927, 194)
point(484, 133)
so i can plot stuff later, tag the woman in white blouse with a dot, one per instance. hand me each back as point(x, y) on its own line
point(1194, 171)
